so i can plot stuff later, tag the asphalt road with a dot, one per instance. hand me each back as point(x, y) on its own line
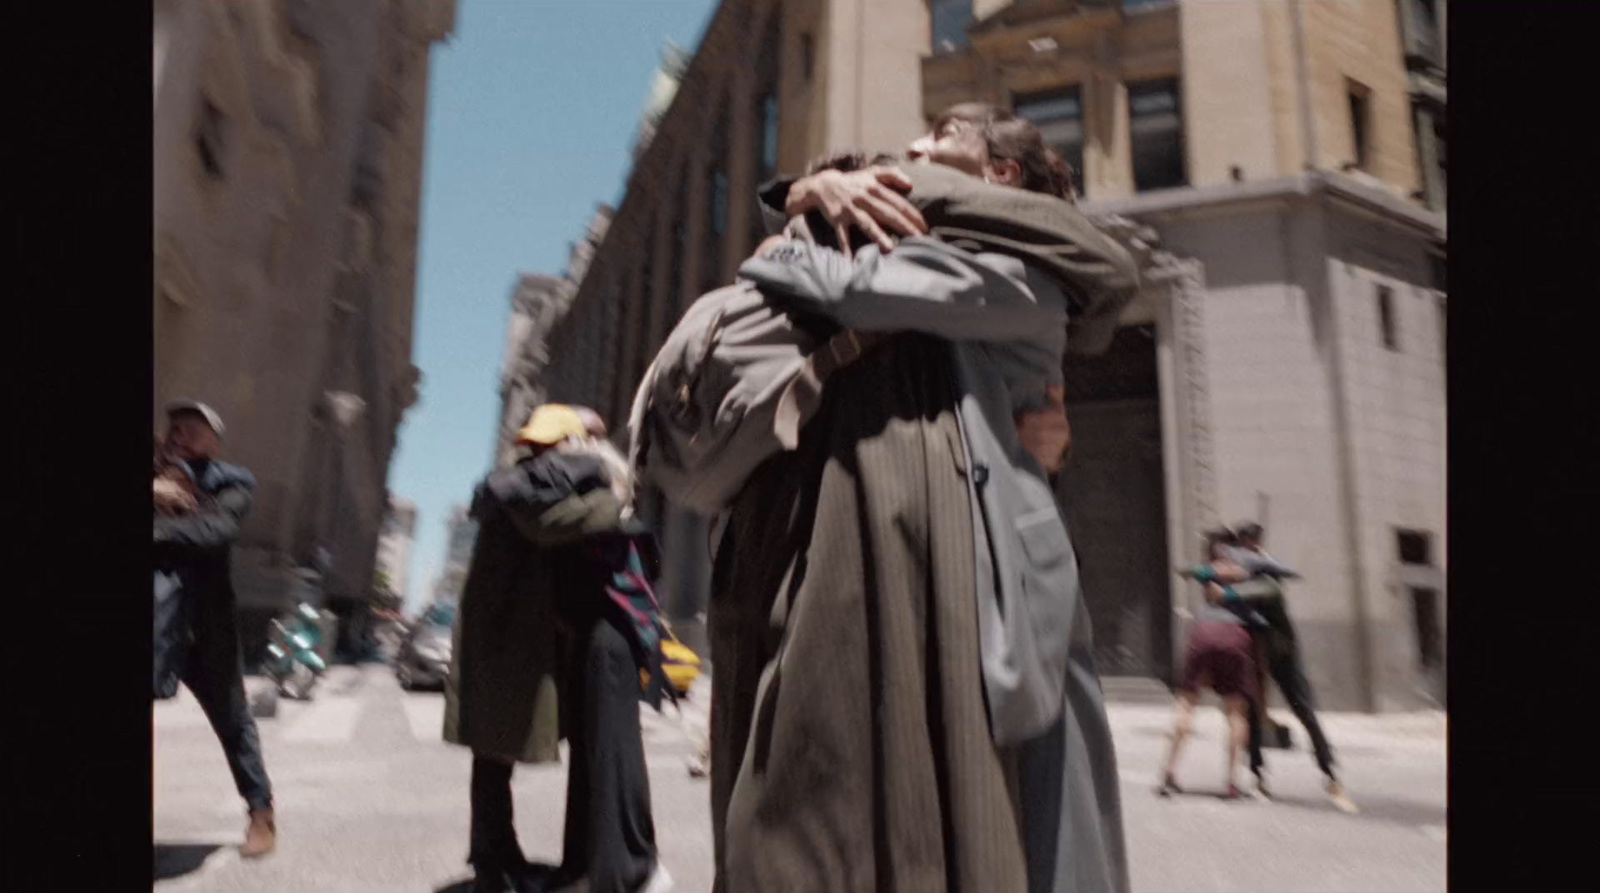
point(370, 799)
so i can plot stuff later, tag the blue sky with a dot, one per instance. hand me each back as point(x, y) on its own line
point(532, 109)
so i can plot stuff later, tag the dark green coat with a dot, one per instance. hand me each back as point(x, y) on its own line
point(502, 696)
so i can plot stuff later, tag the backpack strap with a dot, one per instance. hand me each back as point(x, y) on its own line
point(803, 395)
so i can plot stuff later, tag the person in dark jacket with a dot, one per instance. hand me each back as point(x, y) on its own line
point(1280, 659)
point(193, 544)
point(538, 618)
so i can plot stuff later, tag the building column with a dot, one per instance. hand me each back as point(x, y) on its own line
point(1188, 454)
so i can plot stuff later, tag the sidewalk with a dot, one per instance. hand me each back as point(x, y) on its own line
point(1393, 765)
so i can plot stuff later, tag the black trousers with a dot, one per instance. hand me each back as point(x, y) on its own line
point(610, 835)
point(1282, 654)
point(214, 671)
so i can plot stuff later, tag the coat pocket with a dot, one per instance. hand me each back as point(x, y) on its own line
point(1044, 538)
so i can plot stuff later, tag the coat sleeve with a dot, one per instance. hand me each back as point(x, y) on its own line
point(213, 529)
point(571, 519)
point(771, 198)
point(921, 286)
point(1266, 566)
point(1098, 274)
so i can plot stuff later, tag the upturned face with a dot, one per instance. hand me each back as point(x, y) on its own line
point(189, 437)
point(953, 143)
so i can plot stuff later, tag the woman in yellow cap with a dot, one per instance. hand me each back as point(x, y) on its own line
point(545, 609)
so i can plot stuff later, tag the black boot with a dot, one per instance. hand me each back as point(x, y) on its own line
point(496, 858)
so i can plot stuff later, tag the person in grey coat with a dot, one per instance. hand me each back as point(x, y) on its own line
point(999, 327)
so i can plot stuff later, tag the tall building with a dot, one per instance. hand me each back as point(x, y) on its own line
point(770, 85)
point(538, 303)
point(1284, 360)
point(461, 535)
point(394, 548)
point(288, 142)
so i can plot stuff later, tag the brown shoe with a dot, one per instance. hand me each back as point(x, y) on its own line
point(262, 836)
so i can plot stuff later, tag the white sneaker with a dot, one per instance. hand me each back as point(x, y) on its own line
point(658, 882)
point(1340, 799)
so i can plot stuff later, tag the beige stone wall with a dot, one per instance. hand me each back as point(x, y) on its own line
point(1355, 40)
point(289, 269)
point(1270, 405)
point(874, 77)
point(1337, 440)
point(1227, 95)
point(1395, 407)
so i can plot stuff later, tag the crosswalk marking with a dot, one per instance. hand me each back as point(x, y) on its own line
point(340, 704)
point(326, 720)
point(425, 715)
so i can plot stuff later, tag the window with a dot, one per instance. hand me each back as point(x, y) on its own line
point(1386, 320)
point(680, 248)
point(1414, 547)
point(210, 138)
point(768, 111)
point(1430, 638)
point(647, 288)
point(1360, 124)
point(1423, 37)
point(1444, 327)
point(716, 229)
point(1429, 121)
point(766, 118)
point(1155, 126)
point(949, 20)
point(1059, 116)
point(1440, 138)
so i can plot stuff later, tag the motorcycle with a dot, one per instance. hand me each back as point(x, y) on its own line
point(293, 663)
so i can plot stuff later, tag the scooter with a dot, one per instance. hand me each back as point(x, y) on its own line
point(292, 660)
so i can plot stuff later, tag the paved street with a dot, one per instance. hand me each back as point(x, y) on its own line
point(370, 799)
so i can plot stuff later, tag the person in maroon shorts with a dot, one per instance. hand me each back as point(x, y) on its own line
point(1220, 656)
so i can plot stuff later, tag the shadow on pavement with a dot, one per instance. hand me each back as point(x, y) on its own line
point(538, 872)
point(178, 859)
point(1379, 809)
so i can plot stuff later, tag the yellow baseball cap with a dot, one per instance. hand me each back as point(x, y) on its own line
point(550, 424)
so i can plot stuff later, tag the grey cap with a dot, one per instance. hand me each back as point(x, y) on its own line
point(206, 412)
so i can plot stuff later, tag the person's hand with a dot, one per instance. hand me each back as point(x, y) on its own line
point(869, 200)
point(171, 497)
point(769, 242)
point(1045, 433)
point(1214, 593)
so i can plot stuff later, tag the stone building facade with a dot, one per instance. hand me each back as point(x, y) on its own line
point(287, 175)
point(538, 302)
point(1284, 360)
point(394, 548)
point(460, 537)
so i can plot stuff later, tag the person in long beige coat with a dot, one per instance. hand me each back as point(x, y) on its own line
point(852, 747)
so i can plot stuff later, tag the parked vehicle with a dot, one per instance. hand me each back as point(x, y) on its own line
point(293, 663)
point(424, 657)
